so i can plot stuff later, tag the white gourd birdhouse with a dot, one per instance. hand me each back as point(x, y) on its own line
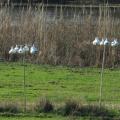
point(11, 51)
point(106, 42)
point(26, 48)
point(114, 43)
point(96, 41)
point(33, 49)
point(16, 49)
point(102, 42)
point(20, 51)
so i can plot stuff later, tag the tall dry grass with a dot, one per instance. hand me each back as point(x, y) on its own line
point(62, 40)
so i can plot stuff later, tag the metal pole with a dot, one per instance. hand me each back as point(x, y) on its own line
point(102, 73)
point(103, 62)
point(24, 82)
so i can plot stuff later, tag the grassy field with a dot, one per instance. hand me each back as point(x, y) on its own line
point(54, 117)
point(58, 83)
point(38, 118)
point(50, 118)
point(31, 118)
point(35, 118)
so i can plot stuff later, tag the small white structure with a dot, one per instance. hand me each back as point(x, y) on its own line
point(106, 42)
point(114, 43)
point(102, 42)
point(26, 48)
point(21, 50)
point(16, 49)
point(33, 49)
point(96, 41)
point(11, 51)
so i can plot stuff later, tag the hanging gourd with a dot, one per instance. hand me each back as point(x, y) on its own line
point(16, 49)
point(26, 48)
point(33, 49)
point(106, 42)
point(114, 43)
point(102, 42)
point(21, 50)
point(11, 51)
point(96, 41)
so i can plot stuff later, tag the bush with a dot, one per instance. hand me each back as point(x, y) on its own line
point(69, 108)
point(9, 108)
point(94, 110)
point(44, 106)
point(74, 109)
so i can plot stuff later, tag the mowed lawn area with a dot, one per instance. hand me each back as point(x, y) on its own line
point(34, 118)
point(58, 83)
point(48, 118)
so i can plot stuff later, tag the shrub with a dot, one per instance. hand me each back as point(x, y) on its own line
point(69, 108)
point(44, 106)
point(94, 110)
point(9, 108)
point(72, 108)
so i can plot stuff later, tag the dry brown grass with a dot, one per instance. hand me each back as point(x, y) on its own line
point(62, 41)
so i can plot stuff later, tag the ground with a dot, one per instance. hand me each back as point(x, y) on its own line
point(49, 118)
point(58, 84)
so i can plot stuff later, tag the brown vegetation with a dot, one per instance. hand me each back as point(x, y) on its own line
point(62, 41)
point(70, 108)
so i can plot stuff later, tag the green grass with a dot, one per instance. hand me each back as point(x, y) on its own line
point(33, 118)
point(58, 83)
point(30, 118)
point(49, 118)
